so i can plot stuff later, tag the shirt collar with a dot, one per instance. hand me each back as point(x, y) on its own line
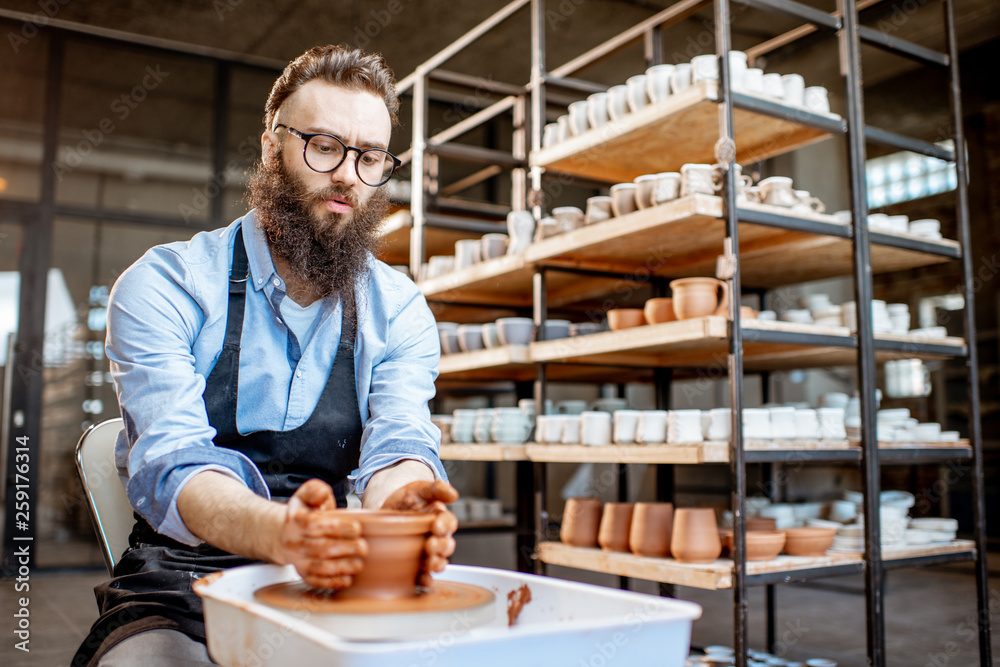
point(259, 254)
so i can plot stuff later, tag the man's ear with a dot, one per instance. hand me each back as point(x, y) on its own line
point(268, 145)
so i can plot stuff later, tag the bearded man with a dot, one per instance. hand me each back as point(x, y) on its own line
point(266, 369)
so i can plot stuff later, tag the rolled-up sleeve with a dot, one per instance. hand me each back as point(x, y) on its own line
point(154, 318)
point(399, 425)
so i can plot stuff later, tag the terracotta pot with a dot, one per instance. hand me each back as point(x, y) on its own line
point(580, 522)
point(395, 551)
point(625, 318)
point(699, 297)
point(652, 524)
point(748, 313)
point(761, 523)
point(659, 310)
point(808, 541)
point(761, 544)
point(695, 537)
point(616, 522)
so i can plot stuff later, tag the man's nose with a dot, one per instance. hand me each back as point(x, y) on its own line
point(346, 173)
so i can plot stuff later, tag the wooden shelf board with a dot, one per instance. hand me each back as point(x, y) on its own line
point(680, 454)
point(483, 452)
point(718, 575)
point(663, 136)
point(395, 233)
point(695, 343)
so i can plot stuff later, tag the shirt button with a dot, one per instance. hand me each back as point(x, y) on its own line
point(298, 374)
point(277, 283)
point(260, 281)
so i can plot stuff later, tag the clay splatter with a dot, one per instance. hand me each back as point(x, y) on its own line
point(516, 600)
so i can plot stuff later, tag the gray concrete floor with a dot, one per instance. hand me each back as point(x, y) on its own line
point(929, 614)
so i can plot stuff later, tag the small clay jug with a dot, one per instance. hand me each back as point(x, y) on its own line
point(395, 551)
point(695, 537)
point(616, 522)
point(659, 310)
point(699, 297)
point(580, 522)
point(652, 524)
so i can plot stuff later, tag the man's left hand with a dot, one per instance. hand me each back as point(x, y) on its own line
point(430, 497)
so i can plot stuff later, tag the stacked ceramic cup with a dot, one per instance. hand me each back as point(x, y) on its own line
point(510, 426)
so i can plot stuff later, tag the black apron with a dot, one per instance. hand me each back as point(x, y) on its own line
point(151, 588)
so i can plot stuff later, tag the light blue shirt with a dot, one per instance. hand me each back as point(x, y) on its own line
point(166, 325)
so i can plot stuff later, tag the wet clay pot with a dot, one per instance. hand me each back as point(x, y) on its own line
point(652, 524)
point(395, 551)
point(699, 297)
point(580, 522)
point(659, 310)
point(695, 537)
point(616, 522)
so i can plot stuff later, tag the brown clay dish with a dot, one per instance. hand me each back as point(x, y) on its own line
point(761, 544)
point(659, 310)
point(808, 541)
point(625, 318)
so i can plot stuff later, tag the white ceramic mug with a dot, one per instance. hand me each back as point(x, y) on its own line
point(644, 187)
point(494, 245)
point(756, 423)
point(777, 191)
point(550, 135)
point(598, 209)
point(626, 425)
point(623, 198)
point(521, 230)
point(681, 78)
point(617, 101)
point(817, 99)
point(782, 422)
point(698, 178)
point(806, 423)
point(658, 82)
point(636, 92)
point(652, 428)
point(753, 81)
point(568, 217)
point(831, 423)
point(738, 64)
point(705, 67)
point(571, 430)
point(774, 86)
point(684, 426)
point(795, 88)
point(595, 428)
point(578, 122)
point(668, 187)
point(597, 109)
point(720, 424)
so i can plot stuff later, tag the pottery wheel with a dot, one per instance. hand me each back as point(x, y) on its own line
point(447, 605)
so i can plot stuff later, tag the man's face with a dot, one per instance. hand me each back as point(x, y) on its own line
point(324, 226)
point(357, 118)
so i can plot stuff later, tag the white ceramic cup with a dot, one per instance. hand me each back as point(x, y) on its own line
point(681, 78)
point(697, 178)
point(636, 92)
point(782, 422)
point(795, 89)
point(756, 423)
point(571, 430)
point(568, 217)
point(598, 209)
point(777, 191)
point(753, 81)
point(645, 185)
point(738, 65)
point(617, 101)
point(626, 426)
point(554, 425)
point(550, 135)
point(470, 337)
point(831, 423)
point(623, 198)
point(684, 426)
point(597, 109)
point(720, 424)
point(578, 122)
point(494, 245)
point(563, 124)
point(773, 86)
point(806, 423)
point(467, 252)
point(705, 67)
point(658, 82)
point(595, 428)
point(652, 428)
point(668, 187)
point(817, 99)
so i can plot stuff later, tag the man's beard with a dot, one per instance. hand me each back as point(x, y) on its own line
point(329, 251)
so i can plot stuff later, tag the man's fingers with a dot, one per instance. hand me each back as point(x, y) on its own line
point(334, 567)
point(435, 563)
point(329, 525)
point(439, 490)
point(317, 494)
point(323, 549)
point(331, 583)
point(445, 523)
point(440, 546)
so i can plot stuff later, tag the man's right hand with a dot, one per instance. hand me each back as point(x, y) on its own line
point(326, 549)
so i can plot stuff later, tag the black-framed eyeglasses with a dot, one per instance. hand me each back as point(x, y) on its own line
point(324, 153)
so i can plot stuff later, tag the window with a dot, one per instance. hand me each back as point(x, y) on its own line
point(904, 176)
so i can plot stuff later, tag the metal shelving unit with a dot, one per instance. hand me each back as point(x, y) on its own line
point(564, 271)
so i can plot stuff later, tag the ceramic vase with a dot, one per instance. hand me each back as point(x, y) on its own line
point(652, 524)
point(581, 521)
point(616, 522)
point(695, 537)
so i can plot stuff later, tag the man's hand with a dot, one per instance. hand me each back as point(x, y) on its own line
point(325, 548)
point(430, 497)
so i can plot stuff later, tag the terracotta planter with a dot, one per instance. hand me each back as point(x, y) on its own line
point(580, 522)
point(395, 551)
point(699, 297)
point(625, 318)
point(808, 541)
point(616, 522)
point(695, 537)
point(659, 310)
point(652, 524)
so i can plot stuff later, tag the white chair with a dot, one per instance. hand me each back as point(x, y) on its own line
point(110, 509)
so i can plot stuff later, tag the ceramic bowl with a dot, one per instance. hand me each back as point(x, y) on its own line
point(623, 198)
point(491, 338)
point(761, 544)
point(515, 330)
point(553, 329)
point(808, 541)
point(625, 318)
point(449, 341)
point(659, 310)
point(470, 337)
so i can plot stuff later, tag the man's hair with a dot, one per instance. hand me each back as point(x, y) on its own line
point(353, 69)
